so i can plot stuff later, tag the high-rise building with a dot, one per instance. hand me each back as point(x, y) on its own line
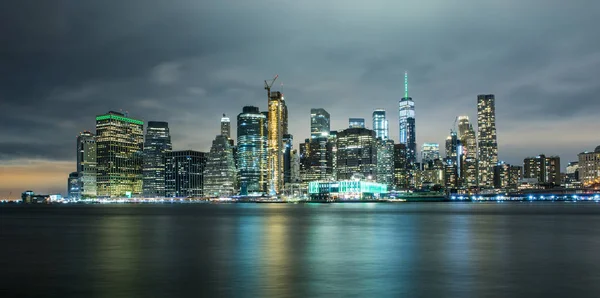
point(316, 159)
point(488, 144)
point(589, 168)
point(226, 126)
point(545, 169)
point(319, 123)
point(430, 152)
point(516, 174)
point(275, 150)
point(356, 153)
point(380, 124)
point(156, 145)
point(400, 169)
point(184, 171)
point(296, 178)
point(385, 162)
point(252, 150)
point(407, 125)
point(119, 142)
point(356, 122)
point(466, 135)
point(288, 141)
point(572, 175)
point(220, 173)
point(73, 186)
point(86, 164)
point(502, 175)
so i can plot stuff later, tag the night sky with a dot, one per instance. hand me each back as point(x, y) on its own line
point(187, 62)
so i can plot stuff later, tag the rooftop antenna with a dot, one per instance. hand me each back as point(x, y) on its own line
point(406, 84)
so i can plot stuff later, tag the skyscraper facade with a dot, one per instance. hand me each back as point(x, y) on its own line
point(86, 164)
point(400, 168)
point(589, 167)
point(356, 153)
point(319, 123)
point(546, 169)
point(275, 150)
point(251, 158)
point(73, 186)
point(356, 122)
point(380, 124)
point(226, 126)
point(407, 125)
point(220, 173)
point(488, 144)
point(385, 162)
point(288, 144)
point(184, 171)
point(430, 152)
point(466, 135)
point(156, 145)
point(119, 141)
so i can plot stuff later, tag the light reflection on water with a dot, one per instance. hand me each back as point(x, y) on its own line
point(310, 250)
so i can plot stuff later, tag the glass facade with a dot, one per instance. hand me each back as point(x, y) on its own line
point(86, 164)
point(406, 109)
point(430, 152)
point(380, 125)
point(319, 123)
point(220, 172)
point(156, 145)
point(251, 157)
point(346, 189)
point(119, 142)
point(184, 172)
point(385, 162)
point(488, 144)
point(356, 153)
point(356, 123)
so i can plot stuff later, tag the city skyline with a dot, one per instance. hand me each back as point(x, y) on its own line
point(530, 82)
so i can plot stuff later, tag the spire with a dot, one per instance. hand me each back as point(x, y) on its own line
point(406, 84)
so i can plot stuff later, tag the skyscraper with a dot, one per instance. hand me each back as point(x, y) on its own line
point(400, 168)
point(86, 164)
point(356, 122)
point(466, 135)
point(385, 162)
point(545, 169)
point(119, 141)
point(356, 153)
point(220, 173)
point(380, 124)
point(275, 150)
point(319, 123)
point(73, 186)
point(430, 152)
point(184, 172)
point(288, 144)
point(407, 125)
point(156, 145)
point(488, 144)
point(251, 158)
point(589, 167)
point(226, 126)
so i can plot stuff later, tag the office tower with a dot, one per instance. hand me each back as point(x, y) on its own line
point(226, 126)
point(252, 150)
point(407, 125)
point(450, 176)
point(156, 145)
point(516, 174)
point(385, 162)
point(284, 116)
point(319, 123)
point(86, 164)
point(466, 135)
point(488, 144)
point(332, 151)
point(119, 142)
point(589, 168)
point(502, 175)
point(356, 122)
point(429, 152)
point(572, 175)
point(275, 122)
point(219, 173)
point(356, 153)
point(288, 141)
point(184, 171)
point(380, 124)
point(296, 178)
point(316, 159)
point(400, 168)
point(73, 189)
point(545, 169)
point(433, 172)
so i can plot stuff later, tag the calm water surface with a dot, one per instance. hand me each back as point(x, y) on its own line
point(304, 250)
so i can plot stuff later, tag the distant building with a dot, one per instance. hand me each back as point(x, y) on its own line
point(429, 152)
point(502, 175)
point(220, 172)
point(516, 174)
point(226, 126)
point(184, 172)
point(571, 178)
point(589, 168)
point(277, 127)
point(119, 141)
point(74, 190)
point(545, 169)
point(488, 143)
point(468, 161)
point(29, 197)
point(86, 164)
point(406, 110)
point(319, 123)
point(400, 170)
point(356, 123)
point(380, 125)
point(385, 162)
point(317, 159)
point(288, 146)
point(356, 153)
point(157, 143)
point(251, 158)
point(346, 190)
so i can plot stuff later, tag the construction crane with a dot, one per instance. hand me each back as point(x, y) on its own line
point(269, 84)
point(453, 129)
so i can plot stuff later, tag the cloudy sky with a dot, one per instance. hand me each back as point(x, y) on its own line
point(187, 62)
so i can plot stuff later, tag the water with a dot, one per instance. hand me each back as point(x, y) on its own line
point(304, 250)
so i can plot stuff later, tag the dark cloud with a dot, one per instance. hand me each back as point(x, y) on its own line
point(187, 62)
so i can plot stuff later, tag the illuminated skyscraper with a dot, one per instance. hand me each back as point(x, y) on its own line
point(401, 177)
point(119, 141)
point(184, 172)
point(407, 125)
point(288, 144)
point(319, 123)
point(356, 123)
point(466, 135)
point(488, 144)
point(380, 124)
point(86, 164)
point(545, 169)
point(251, 158)
point(430, 152)
point(589, 168)
point(73, 186)
point(156, 144)
point(220, 173)
point(385, 162)
point(275, 150)
point(356, 153)
point(226, 126)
